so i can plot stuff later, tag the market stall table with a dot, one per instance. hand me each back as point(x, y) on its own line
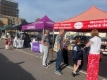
point(18, 43)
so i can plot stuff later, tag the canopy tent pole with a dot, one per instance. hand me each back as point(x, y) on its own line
point(52, 44)
point(43, 31)
point(77, 33)
point(52, 48)
point(106, 34)
point(5, 32)
point(16, 32)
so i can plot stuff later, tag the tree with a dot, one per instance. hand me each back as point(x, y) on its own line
point(37, 19)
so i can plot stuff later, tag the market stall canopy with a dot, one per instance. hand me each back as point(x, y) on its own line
point(93, 18)
point(5, 27)
point(18, 27)
point(91, 14)
point(44, 23)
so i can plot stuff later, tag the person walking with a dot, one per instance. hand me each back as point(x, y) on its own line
point(77, 56)
point(59, 40)
point(45, 48)
point(10, 43)
point(6, 43)
point(94, 56)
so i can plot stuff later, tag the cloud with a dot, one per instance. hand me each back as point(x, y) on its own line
point(56, 10)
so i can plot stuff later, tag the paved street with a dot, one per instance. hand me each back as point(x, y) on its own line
point(22, 64)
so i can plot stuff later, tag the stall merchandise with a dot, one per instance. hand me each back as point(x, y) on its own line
point(18, 43)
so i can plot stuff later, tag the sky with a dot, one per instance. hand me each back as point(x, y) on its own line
point(56, 10)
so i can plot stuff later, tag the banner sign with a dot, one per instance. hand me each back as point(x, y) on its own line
point(92, 24)
point(35, 47)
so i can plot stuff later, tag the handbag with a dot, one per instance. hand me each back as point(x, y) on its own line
point(69, 47)
point(55, 48)
point(101, 55)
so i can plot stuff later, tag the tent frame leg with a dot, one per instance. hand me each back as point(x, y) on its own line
point(51, 61)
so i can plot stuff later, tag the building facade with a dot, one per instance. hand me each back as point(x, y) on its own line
point(9, 13)
point(5, 21)
point(9, 8)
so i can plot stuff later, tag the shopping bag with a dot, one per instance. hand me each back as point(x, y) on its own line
point(56, 49)
point(69, 47)
point(101, 55)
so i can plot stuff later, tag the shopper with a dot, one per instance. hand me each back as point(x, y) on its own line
point(45, 47)
point(6, 43)
point(59, 39)
point(94, 56)
point(77, 56)
point(10, 43)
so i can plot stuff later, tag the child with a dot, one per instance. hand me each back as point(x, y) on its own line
point(6, 43)
point(77, 56)
point(10, 43)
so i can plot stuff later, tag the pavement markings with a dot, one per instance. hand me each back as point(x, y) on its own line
point(27, 53)
point(54, 62)
point(79, 71)
point(103, 78)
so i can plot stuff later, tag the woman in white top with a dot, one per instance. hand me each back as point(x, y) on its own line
point(94, 56)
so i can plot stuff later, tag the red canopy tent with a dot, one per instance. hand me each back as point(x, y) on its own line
point(93, 18)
